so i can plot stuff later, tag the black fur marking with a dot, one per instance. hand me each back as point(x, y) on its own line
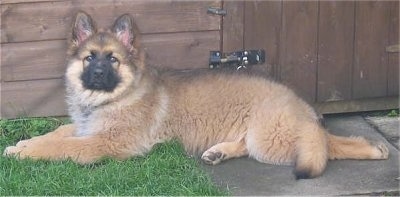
point(100, 75)
point(302, 174)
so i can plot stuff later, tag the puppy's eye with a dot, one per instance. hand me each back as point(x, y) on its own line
point(113, 59)
point(89, 58)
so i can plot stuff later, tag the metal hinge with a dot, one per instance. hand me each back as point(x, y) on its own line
point(216, 11)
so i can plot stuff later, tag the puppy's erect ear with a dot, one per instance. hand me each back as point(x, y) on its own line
point(127, 32)
point(82, 28)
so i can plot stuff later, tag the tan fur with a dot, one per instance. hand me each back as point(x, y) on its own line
point(218, 115)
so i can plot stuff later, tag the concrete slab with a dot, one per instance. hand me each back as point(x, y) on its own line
point(342, 177)
point(388, 126)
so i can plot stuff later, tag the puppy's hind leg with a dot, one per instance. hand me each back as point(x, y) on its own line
point(223, 151)
point(355, 148)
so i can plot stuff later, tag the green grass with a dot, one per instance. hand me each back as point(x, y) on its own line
point(393, 113)
point(387, 113)
point(165, 171)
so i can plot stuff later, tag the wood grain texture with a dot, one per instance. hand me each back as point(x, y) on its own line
point(33, 98)
point(1, 64)
point(262, 30)
point(357, 105)
point(33, 60)
point(393, 69)
point(371, 38)
point(51, 20)
point(298, 51)
point(46, 59)
point(335, 50)
point(232, 30)
point(25, 1)
point(181, 50)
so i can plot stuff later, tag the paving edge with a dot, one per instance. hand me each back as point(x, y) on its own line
point(376, 128)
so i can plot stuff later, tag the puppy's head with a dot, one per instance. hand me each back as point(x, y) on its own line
point(104, 61)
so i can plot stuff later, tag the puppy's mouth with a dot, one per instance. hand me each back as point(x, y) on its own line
point(106, 82)
point(97, 85)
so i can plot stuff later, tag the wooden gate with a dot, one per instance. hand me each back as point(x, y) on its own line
point(332, 53)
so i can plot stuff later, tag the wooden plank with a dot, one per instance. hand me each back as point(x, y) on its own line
point(51, 20)
point(25, 1)
point(370, 59)
point(393, 69)
point(33, 60)
point(357, 105)
point(33, 98)
point(335, 50)
point(1, 51)
point(1, 63)
point(298, 51)
point(232, 30)
point(262, 30)
point(181, 50)
point(46, 59)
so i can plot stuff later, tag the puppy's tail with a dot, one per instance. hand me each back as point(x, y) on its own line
point(314, 146)
point(311, 152)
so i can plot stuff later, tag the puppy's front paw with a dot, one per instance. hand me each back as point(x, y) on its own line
point(12, 151)
point(212, 157)
point(20, 150)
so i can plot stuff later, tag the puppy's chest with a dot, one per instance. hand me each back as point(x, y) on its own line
point(93, 120)
point(85, 119)
point(85, 112)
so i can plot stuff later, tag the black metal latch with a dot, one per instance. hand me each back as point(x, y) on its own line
point(238, 59)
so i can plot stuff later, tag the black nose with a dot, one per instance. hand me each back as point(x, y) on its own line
point(98, 72)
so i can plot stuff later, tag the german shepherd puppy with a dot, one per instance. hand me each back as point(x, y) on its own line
point(121, 107)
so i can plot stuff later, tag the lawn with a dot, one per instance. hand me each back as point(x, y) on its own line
point(165, 171)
